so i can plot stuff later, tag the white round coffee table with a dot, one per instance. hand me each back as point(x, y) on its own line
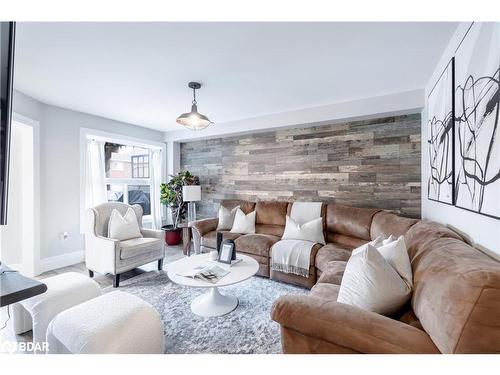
point(212, 303)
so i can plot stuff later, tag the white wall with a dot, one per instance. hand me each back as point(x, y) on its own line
point(481, 229)
point(60, 174)
point(26, 106)
point(11, 244)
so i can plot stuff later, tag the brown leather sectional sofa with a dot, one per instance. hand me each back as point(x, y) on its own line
point(455, 306)
point(345, 229)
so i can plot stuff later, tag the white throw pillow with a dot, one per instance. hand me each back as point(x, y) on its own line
point(226, 218)
point(396, 254)
point(123, 227)
point(310, 231)
point(376, 243)
point(388, 240)
point(370, 283)
point(243, 224)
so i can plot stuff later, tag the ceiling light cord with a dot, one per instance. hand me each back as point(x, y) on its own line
point(194, 96)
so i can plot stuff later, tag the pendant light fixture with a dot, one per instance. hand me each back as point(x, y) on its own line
point(194, 120)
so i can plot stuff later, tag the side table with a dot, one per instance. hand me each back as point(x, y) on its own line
point(15, 287)
point(186, 238)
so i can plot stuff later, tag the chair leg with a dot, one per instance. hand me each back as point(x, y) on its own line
point(116, 281)
point(160, 264)
point(91, 273)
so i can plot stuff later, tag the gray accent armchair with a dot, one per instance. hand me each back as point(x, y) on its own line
point(108, 255)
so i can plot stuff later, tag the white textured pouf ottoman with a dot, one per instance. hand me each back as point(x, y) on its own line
point(114, 323)
point(63, 291)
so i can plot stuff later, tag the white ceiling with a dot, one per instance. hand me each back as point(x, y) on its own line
point(138, 72)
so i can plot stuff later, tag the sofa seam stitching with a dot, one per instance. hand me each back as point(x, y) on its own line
point(467, 320)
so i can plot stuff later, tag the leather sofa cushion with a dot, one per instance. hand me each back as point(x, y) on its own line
point(348, 241)
point(275, 230)
point(331, 252)
point(386, 223)
point(456, 293)
point(210, 239)
point(260, 259)
point(350, 221)
point(333, 272)
point(138, 246)
point(258, 244)
point(245, 206)
point(325, 291)
point(270, 212)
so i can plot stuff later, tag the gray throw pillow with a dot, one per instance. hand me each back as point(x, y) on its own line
point(226, 218)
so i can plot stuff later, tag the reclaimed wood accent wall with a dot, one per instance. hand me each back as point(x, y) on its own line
point(372, 163)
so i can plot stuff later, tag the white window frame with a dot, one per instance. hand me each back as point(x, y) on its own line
point(87, 133)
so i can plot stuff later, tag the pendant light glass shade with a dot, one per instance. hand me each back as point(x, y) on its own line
point(194, 120)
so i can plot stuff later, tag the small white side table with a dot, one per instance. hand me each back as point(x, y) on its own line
point(212, 303)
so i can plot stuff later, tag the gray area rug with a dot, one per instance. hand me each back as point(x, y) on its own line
point(248, 329)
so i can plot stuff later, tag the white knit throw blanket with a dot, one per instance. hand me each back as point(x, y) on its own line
point(293, 256)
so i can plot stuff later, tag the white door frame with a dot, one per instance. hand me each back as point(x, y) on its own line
point(31, 255)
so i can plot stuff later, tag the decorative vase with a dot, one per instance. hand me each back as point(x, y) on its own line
point(173, 236)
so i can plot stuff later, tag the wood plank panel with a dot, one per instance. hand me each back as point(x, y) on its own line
point(372, 163)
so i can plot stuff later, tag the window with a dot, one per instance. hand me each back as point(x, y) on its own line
point(127, 175)
point(140, 166)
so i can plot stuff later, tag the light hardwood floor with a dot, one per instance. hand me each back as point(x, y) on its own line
point(172, 253)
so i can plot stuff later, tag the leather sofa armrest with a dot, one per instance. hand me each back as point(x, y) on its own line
point(349, 327)
point(205, 225)
point(152, 233)
point(201, 227)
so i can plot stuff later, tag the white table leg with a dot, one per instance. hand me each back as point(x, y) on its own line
point(213, 304)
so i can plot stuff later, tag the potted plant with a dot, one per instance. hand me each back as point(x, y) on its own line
point(171, 196)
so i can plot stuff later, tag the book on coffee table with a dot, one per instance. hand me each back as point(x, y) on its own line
point(211, 273)
point(233, 262)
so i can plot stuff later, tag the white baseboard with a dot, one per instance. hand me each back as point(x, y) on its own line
point(59, 261)
point(22, 268)
point(16, 267)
